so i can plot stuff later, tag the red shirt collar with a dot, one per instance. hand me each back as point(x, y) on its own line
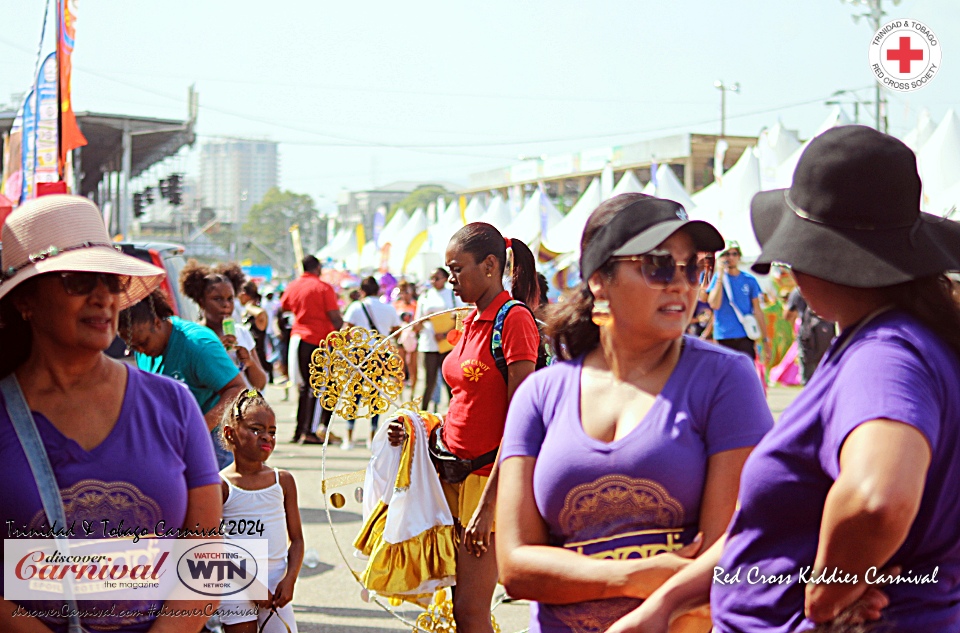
point(490, 312)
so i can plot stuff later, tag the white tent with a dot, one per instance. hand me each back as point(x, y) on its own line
point(939, 160)
point(667, 185)
point(369, 257)
point(565, 236)
point(629, 183)
point(393, 228)
point(372, 253)
point(422, 264)
point(439, 234)
point(774, 146)
point(537, 215)
point(475, 210)
point(441, 206)
point(946, 204)
point(408, 242)
point(918, 136)
point(498, 214)
point(726, 203)
point(606, 182)
point(785, 171)
point(343, 245)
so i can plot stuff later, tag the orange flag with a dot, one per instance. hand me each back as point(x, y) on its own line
point(70, 136)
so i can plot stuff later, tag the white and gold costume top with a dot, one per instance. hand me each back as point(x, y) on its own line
point(407, 536)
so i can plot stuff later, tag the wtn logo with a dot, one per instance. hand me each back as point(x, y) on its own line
point(224, 569)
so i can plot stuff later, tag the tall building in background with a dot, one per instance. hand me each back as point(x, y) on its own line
point(235, 174)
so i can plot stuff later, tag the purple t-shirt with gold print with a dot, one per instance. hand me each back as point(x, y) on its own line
point(639, 495)
point(893, 368)
point(140, 474)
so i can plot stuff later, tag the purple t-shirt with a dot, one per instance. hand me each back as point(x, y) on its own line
point(639, 495)
point(892, 368)
point(140, 474)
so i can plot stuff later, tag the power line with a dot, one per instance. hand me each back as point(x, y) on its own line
point(422, 93)
point(429, 148)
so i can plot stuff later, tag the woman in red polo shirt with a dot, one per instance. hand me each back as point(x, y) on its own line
point(473, 427)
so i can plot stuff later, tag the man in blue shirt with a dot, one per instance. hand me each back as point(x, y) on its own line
point(745, 290)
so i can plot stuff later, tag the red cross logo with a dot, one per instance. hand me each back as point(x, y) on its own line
point(905, 54)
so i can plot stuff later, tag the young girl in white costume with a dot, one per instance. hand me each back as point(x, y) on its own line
point(254, 492)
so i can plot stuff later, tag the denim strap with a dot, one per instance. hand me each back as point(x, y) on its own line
point(29, 437)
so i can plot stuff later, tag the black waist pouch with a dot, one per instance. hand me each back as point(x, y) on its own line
point(453, 469)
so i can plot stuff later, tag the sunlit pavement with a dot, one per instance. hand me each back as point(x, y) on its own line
point(327, 597)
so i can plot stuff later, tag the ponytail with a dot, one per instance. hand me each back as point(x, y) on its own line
point(481, 240)
point(569, 324)
point(524, 284)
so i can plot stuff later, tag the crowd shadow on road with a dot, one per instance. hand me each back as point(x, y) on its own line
point(320, 568)
point(319, 515)
point(332, 459)
point(343, 612)
point(323, 627)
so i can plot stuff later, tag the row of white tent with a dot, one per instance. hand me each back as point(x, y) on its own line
point(414, 244)
point(770, 165)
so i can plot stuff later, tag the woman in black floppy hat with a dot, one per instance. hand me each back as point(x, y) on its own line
point(859, 480)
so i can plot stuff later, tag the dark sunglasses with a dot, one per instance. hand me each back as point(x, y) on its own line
point(79, 284)
point(659, 270)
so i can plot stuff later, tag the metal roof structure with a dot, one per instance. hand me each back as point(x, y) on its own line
point(152, 141)
point(121, 147)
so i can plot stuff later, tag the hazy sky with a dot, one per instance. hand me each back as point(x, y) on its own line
point(365, 93)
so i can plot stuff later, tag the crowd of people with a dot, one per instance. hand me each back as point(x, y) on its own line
point(610, 457)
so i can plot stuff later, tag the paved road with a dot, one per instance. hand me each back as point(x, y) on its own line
point(327, 598)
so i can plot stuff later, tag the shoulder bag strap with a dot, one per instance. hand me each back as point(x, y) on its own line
point(26, 429)
point(733, 304)
point(373, 323)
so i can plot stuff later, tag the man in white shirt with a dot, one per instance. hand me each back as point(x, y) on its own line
point(370, 313)
point(385, 318)
point(436, 298)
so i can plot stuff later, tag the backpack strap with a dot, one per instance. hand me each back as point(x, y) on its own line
point(496, 339)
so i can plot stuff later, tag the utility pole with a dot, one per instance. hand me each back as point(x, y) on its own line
point(856, 103)
point(874, 14)
point(724, 89)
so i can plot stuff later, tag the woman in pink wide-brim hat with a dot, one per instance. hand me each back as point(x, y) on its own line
point(119, 444)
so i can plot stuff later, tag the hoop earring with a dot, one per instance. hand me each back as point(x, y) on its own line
point(601, 314)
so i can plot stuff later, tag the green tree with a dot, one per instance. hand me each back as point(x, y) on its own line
point(421, 197)
point(266, 232)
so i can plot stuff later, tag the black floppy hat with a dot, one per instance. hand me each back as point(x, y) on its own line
point(639, 227)
point(852, 215)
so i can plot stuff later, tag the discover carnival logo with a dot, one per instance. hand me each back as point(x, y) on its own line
point(905, 55)
point(121, 569)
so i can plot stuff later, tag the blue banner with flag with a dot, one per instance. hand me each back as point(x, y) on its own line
point(29, 145)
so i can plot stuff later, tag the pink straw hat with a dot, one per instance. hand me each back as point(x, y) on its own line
point(59, 233)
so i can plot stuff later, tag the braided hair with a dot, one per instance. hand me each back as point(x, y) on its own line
point(248, 400)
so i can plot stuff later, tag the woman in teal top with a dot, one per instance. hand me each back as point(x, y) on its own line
point(187, 352)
